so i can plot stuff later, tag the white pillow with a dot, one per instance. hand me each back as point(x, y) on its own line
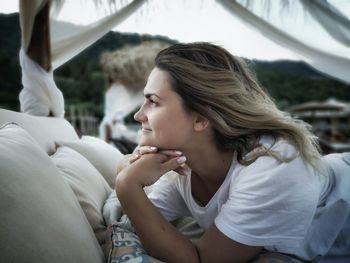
point(40, 219)
point(87, 183)
point(100, 154)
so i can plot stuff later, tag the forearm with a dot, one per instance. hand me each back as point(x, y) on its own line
point(159, 237)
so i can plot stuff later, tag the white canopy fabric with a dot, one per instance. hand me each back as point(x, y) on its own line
point(39, 95)
point(332, 20)
point(314, 29)
point(296, 24)
point(68, 40)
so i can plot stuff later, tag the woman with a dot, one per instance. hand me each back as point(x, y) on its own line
point(250, 173)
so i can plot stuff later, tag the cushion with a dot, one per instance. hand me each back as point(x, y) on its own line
point(44, 130)
point(90, 188)
point(103, 156)
point(41, 219)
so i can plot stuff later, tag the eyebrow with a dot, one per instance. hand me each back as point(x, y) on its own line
point(148, 95)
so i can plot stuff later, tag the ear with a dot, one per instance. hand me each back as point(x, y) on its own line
point(200, 123)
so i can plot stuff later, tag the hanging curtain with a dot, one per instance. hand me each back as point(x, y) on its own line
point(315, 30)
point(331, 19)
point(40, 95)
point(68, 40)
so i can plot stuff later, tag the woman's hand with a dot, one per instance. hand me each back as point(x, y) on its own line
point(144, 170)
point(184, 169)
point(141, 150)
point(130, 158)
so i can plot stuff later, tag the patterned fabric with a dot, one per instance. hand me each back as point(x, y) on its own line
point(127, 247)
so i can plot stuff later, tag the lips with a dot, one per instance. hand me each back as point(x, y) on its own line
point(146, 129)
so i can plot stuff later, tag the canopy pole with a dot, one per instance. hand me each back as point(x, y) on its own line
point(39, 49)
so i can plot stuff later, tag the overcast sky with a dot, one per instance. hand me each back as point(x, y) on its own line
point(181, 23)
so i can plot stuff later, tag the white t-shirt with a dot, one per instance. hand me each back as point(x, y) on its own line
point(268, 203)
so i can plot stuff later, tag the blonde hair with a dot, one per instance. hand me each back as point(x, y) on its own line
point(220, 86)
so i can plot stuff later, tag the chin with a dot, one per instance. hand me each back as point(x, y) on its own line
point(157, 142)
point(145, 142)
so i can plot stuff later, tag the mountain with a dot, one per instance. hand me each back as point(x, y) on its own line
point(291, 83)
point(82, 81)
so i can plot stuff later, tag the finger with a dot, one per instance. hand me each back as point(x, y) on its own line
point(173, 163)
point(136, 150)
point(133, 158)
point(171, 152)
point(184, 170)
point(147, 149)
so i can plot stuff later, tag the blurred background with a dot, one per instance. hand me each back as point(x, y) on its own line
point(102, 86)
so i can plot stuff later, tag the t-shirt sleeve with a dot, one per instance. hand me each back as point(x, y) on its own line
point(270, 203)
point(167, 198)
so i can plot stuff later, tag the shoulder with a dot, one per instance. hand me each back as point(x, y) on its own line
point(280, 154)
point(268, 173)
point(283, 147)
point(266, 196)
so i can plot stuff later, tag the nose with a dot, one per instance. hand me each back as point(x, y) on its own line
point(140, 115)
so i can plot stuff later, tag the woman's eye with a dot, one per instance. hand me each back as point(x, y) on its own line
point(152, 102)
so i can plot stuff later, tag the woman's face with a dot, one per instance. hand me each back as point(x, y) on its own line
point(165, 123)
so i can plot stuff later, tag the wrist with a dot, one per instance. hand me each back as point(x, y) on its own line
point(125, 182)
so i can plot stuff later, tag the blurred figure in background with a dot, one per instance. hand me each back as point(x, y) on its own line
point(126, 74)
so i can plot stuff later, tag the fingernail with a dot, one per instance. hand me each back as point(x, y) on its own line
point(181, 160)
point(178, 152)
point(152, 148)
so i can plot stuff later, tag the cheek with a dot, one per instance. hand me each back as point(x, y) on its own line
point(168, 137)
point(172, 133)
point(170, 129)
point(158, 123)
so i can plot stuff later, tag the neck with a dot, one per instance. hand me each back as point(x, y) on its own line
point(210, 165)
